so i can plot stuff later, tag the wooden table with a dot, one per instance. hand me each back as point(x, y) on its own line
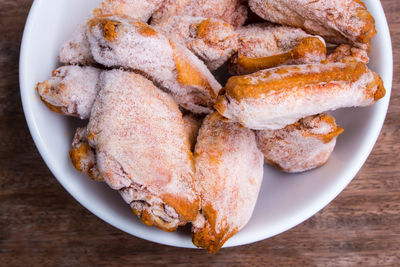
point(41, 224)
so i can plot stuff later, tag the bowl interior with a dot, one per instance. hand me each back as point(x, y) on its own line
point(285, 199)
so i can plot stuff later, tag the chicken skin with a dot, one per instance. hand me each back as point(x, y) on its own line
point(302, 146)
point(137, 143)
point(212, 40)
point(263, 46)
point(192, 127)
point(338, 21)
point(230, 11)
point(136, 9)
point(273, 98)
point(76, 50)
point(71, 91)
point(134, 45)
point(229, 172)
point(346, 53)
point(83, 156)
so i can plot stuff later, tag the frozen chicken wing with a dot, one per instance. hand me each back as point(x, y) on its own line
point(230, 11)
point(71, 91)
point(212, 40)
point(229, 172)
point(346, 53)
point(76, 50)
point(83, 156)
point(136, 9)
point(274, 98)
point(142, 150)
point(134, 45)
point(263, 46)
point(338, 21)
point(302, 146)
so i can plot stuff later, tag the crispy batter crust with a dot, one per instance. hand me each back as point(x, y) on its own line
point(338, 21)
point(229, 171)
point(304, 145)
point(274, 98)
point(263, 46)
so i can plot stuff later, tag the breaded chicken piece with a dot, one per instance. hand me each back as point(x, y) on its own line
point(134, 45)
point(76, 50)
point(71, 91)
point(142, 150)
point(230, 11)
point(274, 98)
point(83, 157)
point(302, 146)
point(263, 46)
point(338, 21)
point(346, 53)
point(212, 40)
point(192, 126)
point(229, 172)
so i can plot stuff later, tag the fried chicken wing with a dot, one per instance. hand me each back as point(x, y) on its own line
point(263, 46)
point(192, 126)
point(274, 98)
point(302, 146)
point(230, 11)
point(71, 91)
point(116, 42)
point(338, 21)
point(345, 53)
point(212, 40)
point(229, 172)
point(76, 50)
point(137, 134)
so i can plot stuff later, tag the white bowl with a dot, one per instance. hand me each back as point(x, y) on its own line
point(285, 200)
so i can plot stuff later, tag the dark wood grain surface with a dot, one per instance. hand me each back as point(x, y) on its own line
point(41, 224)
